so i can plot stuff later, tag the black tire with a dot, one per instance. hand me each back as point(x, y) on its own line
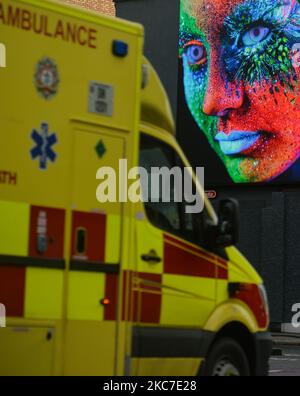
point(226, 358)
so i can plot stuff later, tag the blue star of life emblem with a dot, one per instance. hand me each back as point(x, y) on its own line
point(43, 145)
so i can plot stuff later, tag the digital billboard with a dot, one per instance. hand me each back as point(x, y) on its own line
point(239, 103)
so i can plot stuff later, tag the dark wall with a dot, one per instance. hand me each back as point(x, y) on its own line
point(270, 217)
point(160, 19)
point(269, 238)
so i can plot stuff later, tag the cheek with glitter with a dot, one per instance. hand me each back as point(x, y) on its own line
point(277, 114)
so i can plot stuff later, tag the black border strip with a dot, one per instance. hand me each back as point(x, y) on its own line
point(75, 265)
point(91, 266)
point(157, 342)
point(22, 261)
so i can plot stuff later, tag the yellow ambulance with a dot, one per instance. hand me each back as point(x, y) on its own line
point(116, 288)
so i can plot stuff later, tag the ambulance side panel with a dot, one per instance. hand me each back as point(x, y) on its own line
point(69, 105)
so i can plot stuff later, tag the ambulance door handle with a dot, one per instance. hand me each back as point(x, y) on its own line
point(151, 257)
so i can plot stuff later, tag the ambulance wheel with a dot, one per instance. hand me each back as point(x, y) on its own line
point(226, 359)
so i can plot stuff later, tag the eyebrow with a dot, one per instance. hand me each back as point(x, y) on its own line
point(189, 31)
point(185, 37)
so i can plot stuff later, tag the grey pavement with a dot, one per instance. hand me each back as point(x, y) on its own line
point(285, 360)
point(288, 364)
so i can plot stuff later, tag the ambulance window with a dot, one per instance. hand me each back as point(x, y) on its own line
point(154, 154)
point(170, 216)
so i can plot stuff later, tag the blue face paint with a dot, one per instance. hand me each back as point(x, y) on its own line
point(258, 41)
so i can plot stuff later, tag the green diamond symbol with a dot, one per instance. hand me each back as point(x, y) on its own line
point(100, 149)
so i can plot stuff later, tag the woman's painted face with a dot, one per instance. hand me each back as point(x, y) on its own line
point(241, 76)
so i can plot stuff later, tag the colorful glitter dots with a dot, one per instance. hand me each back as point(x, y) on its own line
point(241, 82)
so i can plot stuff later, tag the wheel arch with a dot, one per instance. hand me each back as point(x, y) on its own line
point(234, 320)
point(241, 334)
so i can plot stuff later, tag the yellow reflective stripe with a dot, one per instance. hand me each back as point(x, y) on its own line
point(14, 228)
point(43, 293)
point(112, 241)
point(86, 290)
point(179, 309)
point(165, 367)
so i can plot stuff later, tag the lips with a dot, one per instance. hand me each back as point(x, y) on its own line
point(237, 141)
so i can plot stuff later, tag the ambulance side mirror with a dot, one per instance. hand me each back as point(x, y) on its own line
point(226, 232)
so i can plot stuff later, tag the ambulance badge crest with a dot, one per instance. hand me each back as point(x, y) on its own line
point(46, 78)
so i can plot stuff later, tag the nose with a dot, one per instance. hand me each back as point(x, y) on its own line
point(221, 96)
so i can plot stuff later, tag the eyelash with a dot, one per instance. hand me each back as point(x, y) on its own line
point(251, 26)
point(265, 61)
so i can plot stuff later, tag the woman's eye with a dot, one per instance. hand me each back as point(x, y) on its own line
point(255, 35)
point(195, 53)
